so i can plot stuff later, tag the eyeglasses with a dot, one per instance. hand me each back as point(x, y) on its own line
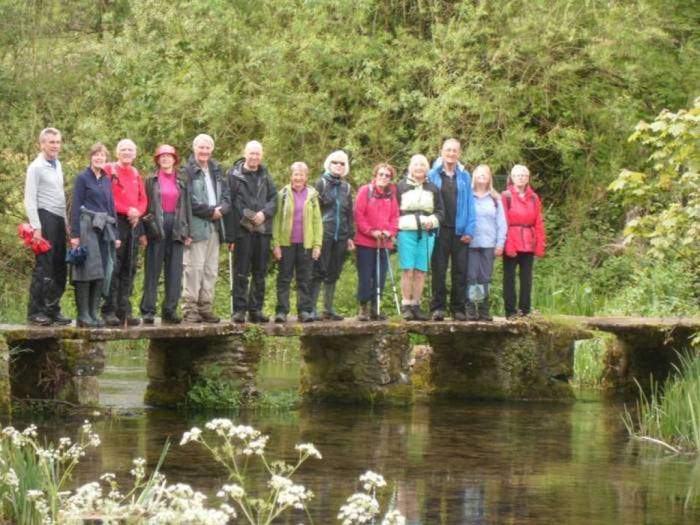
point(338, 162)
point(384, 174)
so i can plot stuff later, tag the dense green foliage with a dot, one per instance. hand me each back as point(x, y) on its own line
point(557, 85)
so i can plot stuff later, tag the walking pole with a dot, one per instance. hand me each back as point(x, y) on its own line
point(230, 278)
point(378, 290)
point(393, 282)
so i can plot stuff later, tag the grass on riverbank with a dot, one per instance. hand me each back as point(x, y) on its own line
point(671, 417)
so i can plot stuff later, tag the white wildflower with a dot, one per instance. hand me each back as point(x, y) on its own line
point(371, 480)
point(30, 431)
point(257, 446)
point(109, 477)
point(193, 434)
point(280, 482)
point(233, 491)
point(228, 509)
point(294, 496)
point(308, 449)
point(394, 517)
point(10, 478)
point(139, 468)
point(33, 494)
point(221, 426)
point(360, 508)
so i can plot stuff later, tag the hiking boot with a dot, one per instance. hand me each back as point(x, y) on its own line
point(438, 315)
point(418, 314)
point(39, 320)
point(280, 318)
point(170, 318)
point(407, 312)
point(459, 315)
point(59, 318)
point(209, 317)
point(373, 315)
point(332, 316)
point(364, 314)
point(149, 318)
point(306, 317)
point(132, 321)
point(238, 317)
point(112, 320)
point(258, 317)
point(192, 317)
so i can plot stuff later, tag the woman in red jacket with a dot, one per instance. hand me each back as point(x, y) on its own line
point(377, 221)
point(525, 239)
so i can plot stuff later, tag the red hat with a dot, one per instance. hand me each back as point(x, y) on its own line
point(166, 149)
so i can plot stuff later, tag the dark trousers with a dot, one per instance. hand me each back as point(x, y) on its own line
point(525, 261)
point(165, 254)
point(118, 302)
point(252, 253)
point(49, 275)
point(480, 267)
point(367, 273)
point(295, 259)
point(449, 250)
point(329, 265)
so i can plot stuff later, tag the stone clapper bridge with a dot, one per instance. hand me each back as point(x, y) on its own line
point(346, 361)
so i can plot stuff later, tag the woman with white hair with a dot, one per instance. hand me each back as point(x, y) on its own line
point(487, 244)
point(525, 239)
point(338, 231)
point(130, 201)
point(421, 210)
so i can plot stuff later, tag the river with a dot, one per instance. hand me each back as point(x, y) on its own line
point(456, 463)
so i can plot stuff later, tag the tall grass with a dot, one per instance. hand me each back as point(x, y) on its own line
point(671, 417)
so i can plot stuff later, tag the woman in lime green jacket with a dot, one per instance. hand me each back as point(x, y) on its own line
point(297, 235)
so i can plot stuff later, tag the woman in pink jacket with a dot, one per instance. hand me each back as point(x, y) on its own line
point(377, 221)
point(525, 239)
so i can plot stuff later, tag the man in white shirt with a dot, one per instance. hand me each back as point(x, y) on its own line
point(45, 203)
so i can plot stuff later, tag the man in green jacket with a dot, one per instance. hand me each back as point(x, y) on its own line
point(297, 235)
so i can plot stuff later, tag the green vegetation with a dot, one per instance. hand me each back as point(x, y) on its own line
point(557, 85)
point(671, 417)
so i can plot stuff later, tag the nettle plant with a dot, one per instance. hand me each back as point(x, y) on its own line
point(665, 201)
point(34, 479)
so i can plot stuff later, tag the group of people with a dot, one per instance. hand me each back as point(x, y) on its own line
point(438, 218)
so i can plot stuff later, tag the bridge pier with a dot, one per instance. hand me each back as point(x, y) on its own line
point(62, 369)
point(512, 361)
point(351, 367)
point(175, 365)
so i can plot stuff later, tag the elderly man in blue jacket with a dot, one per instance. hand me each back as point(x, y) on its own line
point(455, 234)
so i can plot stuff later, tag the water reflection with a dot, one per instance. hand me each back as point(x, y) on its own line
point(472, 463)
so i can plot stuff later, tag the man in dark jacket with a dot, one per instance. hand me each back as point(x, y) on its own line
point(338, 231)
point(209, 201)
point(249, 231)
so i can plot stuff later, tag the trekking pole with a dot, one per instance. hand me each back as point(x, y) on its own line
point(230, 278)
point(378, 290)
point(393, 282)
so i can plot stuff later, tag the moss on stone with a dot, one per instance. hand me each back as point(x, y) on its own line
point(5, 397)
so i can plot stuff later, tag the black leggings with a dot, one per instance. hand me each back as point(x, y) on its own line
point(525, 261)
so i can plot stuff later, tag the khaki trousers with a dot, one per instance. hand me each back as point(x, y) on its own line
point(201, 268)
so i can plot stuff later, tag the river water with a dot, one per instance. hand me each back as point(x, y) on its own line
point(457, 463)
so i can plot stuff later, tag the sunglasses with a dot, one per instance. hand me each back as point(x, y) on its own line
point(384, 175)
point(338, 162)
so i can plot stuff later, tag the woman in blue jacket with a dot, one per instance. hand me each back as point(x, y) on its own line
point(487, 244)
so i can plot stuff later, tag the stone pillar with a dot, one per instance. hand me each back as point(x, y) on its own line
point(357, 368)
point(642, 357)
point(5, 399)
point(510, 362)
point(64, 369)
point(174, 365)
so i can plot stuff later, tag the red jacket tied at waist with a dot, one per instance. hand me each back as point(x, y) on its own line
point(525, 226)
point(128, 188)
point(375, 209)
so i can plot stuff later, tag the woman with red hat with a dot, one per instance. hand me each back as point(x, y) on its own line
point(167, 225)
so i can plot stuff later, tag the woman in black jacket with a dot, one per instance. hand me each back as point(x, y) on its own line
point(167, 224)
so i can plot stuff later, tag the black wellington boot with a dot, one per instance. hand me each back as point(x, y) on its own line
point(472, 314)
point(82, 303)
point(95, 299)
point(484, 314)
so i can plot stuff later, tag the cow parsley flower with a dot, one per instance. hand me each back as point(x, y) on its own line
point(308, 449)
